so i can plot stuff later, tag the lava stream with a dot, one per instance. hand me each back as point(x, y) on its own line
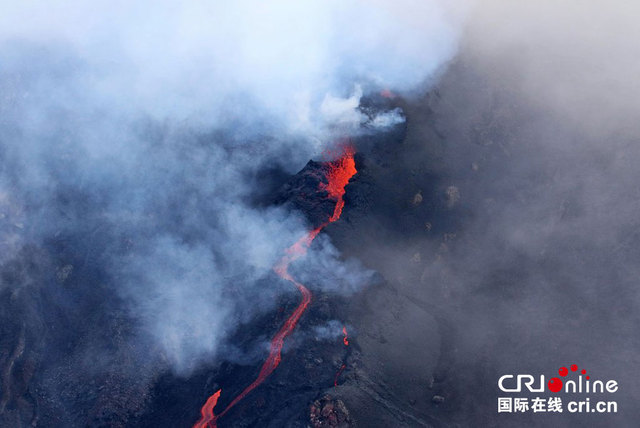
point(335, 381)
point(338, 176)
point(345, 339)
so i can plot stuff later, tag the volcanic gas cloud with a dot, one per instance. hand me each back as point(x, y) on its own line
point(338, 174)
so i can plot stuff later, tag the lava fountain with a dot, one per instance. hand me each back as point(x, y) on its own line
point(338, 175)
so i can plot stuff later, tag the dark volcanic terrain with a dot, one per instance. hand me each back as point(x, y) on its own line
point(491, 256)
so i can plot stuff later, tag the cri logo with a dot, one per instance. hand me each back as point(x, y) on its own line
point(556, 384)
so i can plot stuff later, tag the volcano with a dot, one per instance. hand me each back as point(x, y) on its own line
point(495, 244)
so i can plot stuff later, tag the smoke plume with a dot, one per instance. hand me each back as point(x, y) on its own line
point(135, 136)
point(518, 187)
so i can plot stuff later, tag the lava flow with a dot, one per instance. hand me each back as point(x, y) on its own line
point(345, 339)
point(338, 175)
point(335, 380)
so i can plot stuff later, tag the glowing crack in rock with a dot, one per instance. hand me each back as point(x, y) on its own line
point(338, 175)
point(345, 339)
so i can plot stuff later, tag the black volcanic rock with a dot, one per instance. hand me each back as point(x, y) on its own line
point(328, 412)
point(304, 192)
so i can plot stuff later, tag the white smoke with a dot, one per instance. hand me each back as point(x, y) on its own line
point(195, 60)
point(158, 115)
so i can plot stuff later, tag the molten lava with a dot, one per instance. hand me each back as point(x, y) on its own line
point(386, 93)
point(345, 340)
point(207, 410)
point(338, 175)
point(335, 381)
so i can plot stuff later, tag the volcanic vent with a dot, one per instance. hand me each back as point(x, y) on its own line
point(317, 190)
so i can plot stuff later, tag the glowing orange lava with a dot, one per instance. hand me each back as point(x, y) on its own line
point(386, 93)
point(345, 339)
point(207, 410)
point(338, 177)
point(339, 173)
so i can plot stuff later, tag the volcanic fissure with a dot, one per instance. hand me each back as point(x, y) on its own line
point(338, 174)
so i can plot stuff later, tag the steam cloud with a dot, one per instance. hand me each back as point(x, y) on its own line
point(535, 126)
point(134, 134)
